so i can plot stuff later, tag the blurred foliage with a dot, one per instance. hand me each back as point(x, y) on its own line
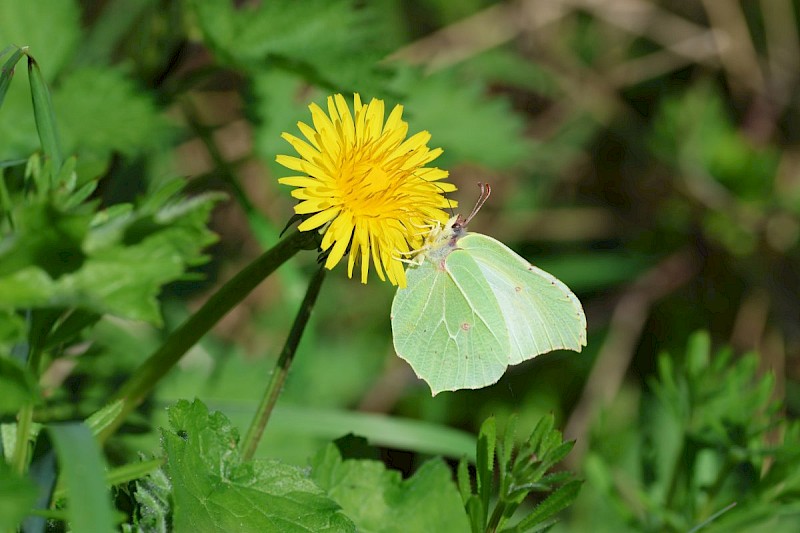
point(644, 152)
point(711, 449)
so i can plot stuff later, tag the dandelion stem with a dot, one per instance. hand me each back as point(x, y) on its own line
point(144, 378)
point(278, 377)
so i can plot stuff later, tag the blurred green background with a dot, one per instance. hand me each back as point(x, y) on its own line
point(644, 152)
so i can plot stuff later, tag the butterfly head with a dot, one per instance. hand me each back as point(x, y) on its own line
point(442, 240)
point(458, 224)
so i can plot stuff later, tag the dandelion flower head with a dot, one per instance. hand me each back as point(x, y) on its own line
point(365, 186)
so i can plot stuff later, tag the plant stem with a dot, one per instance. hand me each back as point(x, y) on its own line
point(24, 422)
point(144, 378)
point(40, 323)
point(281, 370)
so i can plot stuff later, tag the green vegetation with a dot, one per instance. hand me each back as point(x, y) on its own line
point(170, 359)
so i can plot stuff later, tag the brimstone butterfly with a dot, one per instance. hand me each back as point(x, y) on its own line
point(472, 307)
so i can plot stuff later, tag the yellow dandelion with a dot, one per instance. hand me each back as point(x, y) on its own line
point(365, 187)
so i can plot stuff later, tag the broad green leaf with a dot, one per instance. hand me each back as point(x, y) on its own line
point(214, 490)
point(379, 500)
point(82, 470)
point(18, 385)
point(17, 495)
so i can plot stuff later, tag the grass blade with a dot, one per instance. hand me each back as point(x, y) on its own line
point(44, 115)
point(8, 72)
point(81, 466)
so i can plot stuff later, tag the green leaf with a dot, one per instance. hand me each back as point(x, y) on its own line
point(54, 259)
point(12, 329)
point(153, 496)
point(214, 490)
point(101, 110)
point(308, 38)
point(470, 127)
point(556, 502)
point(698, 353)
point(82, 470)
point(45, 116)
point(464, 483)
point(484, 467)
point(277, 109)
point(18, 385)
point(379, 500)
point(46, 238)
point(17, 495)
point(7, 72)
point(50, 29)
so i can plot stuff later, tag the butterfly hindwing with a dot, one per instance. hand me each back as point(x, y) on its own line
point(448, 325)
point(540, 312)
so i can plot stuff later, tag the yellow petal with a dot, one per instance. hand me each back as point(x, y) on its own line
point(305, 150)
point(299, 181)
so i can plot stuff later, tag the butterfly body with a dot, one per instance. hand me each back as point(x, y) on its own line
point(472, 306)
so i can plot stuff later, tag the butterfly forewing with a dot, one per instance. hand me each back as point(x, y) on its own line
point(448, 326)
point(540, 312)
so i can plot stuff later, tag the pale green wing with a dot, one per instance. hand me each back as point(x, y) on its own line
point(541, 313)
point(449, 327)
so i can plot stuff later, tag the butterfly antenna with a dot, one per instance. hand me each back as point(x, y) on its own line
point(486, 190)
point(449, 201)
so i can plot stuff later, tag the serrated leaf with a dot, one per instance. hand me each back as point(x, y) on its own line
point(328, 42)
point(469, 126)
point(101, 110)
point(117, 267)
point(17, 495)
point(214, 490)
point(463, 480)
point(559, 500)
point(379, 500)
